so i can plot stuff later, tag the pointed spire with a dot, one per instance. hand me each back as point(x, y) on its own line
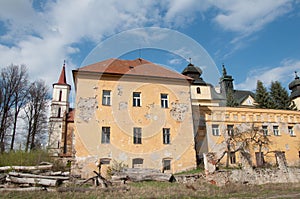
point(62, 77)
point(224, 70)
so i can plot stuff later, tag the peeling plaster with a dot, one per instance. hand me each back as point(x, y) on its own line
point(120, 90)
point(178, 111)
point(123, 105)
point(86, 107)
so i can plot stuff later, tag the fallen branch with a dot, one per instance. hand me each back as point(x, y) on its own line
point(37, 176)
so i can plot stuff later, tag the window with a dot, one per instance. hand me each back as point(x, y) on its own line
point(215, 130)
point(136, 99)
point(230, 130)
point(265, 130)
point(166, 164)
point(137, 163)
point(232, 158)
point(104, 161)
point(105, 138)
point(198, 90)
point(166, 135)
point(291, 131)
point(137, 135)
point(106, 98)
point(164, 100)
point(60, 95)
point(276, 130)
point(59, 112)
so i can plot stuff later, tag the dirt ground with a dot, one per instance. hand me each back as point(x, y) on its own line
point(198, 189)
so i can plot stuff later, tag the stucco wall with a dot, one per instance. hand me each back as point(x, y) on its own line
point(121, 117)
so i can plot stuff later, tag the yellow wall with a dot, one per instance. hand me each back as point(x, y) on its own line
point(121, 117)
point(224, 116)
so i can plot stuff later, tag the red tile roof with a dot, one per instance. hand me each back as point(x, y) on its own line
point(139, 67)
point(62, 77)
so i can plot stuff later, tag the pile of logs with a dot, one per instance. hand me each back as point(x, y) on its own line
point(25, 177)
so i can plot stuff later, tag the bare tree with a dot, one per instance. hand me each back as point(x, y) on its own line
point(20, 96)
point(12, 78)
point(252, 137)
point(36, 116)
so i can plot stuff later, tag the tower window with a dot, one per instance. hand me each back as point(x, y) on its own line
point(137, 163)
point(59, 112)
point(166, 164)
point(60, 95)
point(265, 130)
point(291, 131)
point(198, 90)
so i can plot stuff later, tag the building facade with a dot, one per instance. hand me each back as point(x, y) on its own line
point(142, 115)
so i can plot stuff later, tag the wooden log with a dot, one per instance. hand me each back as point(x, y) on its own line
point(137, 175)
point(33, 181)
point(24, 189)
point(26, 168)
point(15, 174)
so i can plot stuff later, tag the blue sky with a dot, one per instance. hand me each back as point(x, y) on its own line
point(257, 39)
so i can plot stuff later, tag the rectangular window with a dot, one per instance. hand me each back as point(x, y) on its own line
point(276, 130)
point(166, 165)
point(105, 138)
point(137, 135)
point(166, 135)
point(106, 97)
point(164, 100)
point(215, 130)
point(137, 163)
point(265, 130)
point(232, 158)
point(291, 131)
point(230, 130)
point(136, 99)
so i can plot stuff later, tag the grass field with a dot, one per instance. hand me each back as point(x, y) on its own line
point(198, 189)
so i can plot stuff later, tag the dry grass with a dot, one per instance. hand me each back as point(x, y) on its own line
point(199, 189)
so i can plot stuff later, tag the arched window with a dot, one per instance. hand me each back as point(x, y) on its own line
point(198, 90)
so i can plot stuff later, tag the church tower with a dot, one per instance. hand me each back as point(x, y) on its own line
point(226, 82)
point(58, 113)
point(294, 86)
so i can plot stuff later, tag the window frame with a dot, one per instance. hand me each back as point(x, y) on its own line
point(137, 161)
point(230, 130)
point(291, 131)
point(276, 130)
point(106, 97)
point(265, 130)
point(166, 136)
point(215, 130)
point(105, 135)
point(137, 135)
point(198, 90)
point(136, 100)
point(166, 163)
point(164, 100)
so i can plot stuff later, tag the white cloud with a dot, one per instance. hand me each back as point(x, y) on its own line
point(283, 73)
point(43, 38)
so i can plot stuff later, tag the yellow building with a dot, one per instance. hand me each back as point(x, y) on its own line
point(133, 112)
point(212, 119)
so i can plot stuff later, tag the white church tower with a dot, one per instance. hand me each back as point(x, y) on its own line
point(59, 110)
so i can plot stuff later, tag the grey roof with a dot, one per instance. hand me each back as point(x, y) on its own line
point(241, 95)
